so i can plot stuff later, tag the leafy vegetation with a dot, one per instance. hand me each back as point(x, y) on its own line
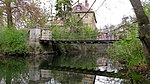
point(131, 52)
point(12, 68)
point(22, 13)
point(63, 8)
point(144, 27)
point(83, 32)
point(77, 33)
point(87, 61)
point(13, 41)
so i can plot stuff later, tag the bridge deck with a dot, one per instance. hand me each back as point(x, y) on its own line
point(79, 41)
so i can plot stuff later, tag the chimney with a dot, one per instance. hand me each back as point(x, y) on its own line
point(86, 4)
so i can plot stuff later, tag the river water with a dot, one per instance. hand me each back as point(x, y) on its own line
point(37, 69)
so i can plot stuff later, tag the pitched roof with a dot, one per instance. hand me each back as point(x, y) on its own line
point(81, 8)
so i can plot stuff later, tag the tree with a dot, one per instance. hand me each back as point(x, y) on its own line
point(8, 10)
point(144, 27)
point(129, 52)
point(6, 4)
point(22, 13)
point(31, 13)
point(63, 8)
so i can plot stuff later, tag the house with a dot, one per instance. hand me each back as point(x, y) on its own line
point(81, 10)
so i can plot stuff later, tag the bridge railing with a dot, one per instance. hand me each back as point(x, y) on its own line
point(46, 34)
point(74, 37)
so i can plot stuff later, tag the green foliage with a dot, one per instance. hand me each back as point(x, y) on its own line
point(77, 33)
point(63, 8)
point(87, 61)
point(12, 68)
point(73, 23)
point(84, 32)
point(13, 41)
point(30, 23)
point(147, 9)
point(135, 76)
point(8, 1)
point(130, 50)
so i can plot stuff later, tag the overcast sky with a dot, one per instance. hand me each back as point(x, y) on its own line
point(111, 12)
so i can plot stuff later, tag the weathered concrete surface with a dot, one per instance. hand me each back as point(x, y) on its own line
point(46, 34)
point(34, 38)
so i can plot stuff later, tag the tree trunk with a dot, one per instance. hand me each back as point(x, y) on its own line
point(144, 27)
point(9, 14)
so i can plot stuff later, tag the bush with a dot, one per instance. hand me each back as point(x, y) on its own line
point(129, 49)
point(80, 33)
point(131, 52)
point(13, 41)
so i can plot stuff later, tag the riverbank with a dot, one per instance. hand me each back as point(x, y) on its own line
point(16, 41)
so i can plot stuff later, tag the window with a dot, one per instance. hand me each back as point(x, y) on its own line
point(78, 15)
point(79, 7)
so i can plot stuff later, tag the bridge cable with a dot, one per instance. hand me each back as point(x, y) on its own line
point(100, 5)
point(75, 2)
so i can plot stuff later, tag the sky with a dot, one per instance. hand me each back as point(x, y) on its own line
point(111, 12)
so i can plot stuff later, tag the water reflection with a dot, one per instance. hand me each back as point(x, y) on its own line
point(72, 78)
point(13, 71)
point(88, 61)
point(36, 70)
point(107, 66)
point(108, 80)
point(39, 73)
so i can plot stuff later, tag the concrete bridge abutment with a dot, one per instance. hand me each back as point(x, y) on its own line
point(36, 34)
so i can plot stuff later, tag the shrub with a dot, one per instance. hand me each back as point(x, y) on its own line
point(131, 52)
point(83, 32)
point(13, 41)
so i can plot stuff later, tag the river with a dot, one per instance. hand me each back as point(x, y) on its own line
point(37, 69)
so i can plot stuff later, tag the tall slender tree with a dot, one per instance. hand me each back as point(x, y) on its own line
point(22, 13)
